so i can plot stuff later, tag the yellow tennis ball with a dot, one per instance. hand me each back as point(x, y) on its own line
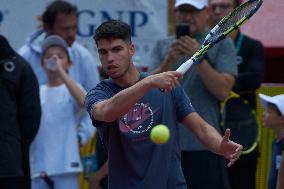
point(160, 134)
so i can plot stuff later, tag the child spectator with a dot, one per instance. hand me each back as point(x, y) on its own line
point(54, 156)
point(273, 118)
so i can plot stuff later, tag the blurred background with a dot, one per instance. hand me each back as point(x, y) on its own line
point(150, 21)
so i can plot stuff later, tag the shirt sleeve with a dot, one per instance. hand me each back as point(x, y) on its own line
point(225, 59)
point(94, 96)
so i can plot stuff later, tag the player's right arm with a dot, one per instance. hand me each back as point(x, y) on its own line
point(115, 107)
point(211, 138)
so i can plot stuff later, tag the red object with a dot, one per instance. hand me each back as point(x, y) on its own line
point(274, 65)
point(267, 26)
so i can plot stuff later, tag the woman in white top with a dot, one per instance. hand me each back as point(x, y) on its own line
point(54, 154)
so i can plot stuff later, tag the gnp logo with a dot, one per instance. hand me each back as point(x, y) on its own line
point(87, 24)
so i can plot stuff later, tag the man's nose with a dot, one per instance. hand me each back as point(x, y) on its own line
point(110, 57)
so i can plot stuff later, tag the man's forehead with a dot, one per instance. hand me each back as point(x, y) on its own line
point(60, 17)
point(110, 42)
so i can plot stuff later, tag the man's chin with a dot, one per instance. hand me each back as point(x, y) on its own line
point(114, 76)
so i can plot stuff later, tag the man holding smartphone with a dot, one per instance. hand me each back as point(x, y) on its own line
point(207, 83)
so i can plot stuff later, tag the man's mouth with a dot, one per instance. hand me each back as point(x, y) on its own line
point(111, 67)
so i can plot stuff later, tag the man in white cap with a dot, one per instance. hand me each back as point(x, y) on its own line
point(206, 84)
point(273, 117)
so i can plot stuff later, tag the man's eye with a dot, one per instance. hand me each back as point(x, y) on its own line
point(116, 49)
point(102, 52)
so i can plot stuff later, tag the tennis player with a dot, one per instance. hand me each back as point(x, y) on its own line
point(125, 108)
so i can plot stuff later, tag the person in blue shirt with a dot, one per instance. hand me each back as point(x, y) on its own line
point(125, 108)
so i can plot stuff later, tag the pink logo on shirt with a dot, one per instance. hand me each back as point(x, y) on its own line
point(138, 120)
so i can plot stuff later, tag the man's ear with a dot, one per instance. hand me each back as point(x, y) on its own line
point(132, 49)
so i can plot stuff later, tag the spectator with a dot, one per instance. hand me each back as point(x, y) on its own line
point(273, 118)
point(55, 150)
point(19, 115)
point(206, 84)
point(127, 106)
point(239, 111)
point(60, 18)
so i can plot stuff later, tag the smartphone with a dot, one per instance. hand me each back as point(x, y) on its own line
point(182, 29)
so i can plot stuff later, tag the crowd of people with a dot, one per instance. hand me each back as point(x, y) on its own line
point(54, 100)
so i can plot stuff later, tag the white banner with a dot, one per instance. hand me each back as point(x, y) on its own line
point(147, 18)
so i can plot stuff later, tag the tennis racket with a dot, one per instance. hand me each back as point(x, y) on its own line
point(241, 119)
point(228, 24)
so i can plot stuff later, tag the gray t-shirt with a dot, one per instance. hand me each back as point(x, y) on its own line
point(222, 59)
point(134, 161)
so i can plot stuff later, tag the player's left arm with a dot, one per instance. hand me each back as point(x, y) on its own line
point(280, 177)
point(210, 138)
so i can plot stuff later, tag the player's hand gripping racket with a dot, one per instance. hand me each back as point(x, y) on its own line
point(228, 24)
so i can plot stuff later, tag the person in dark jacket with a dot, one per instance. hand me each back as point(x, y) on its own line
point(19, 117)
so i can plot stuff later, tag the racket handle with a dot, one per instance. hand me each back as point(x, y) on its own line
point(185, 66)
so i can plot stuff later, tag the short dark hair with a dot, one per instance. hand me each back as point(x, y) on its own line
point(56, 7)
point(115, 29)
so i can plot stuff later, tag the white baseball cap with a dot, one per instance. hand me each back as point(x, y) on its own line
point(277, 100)
point(199, 4)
